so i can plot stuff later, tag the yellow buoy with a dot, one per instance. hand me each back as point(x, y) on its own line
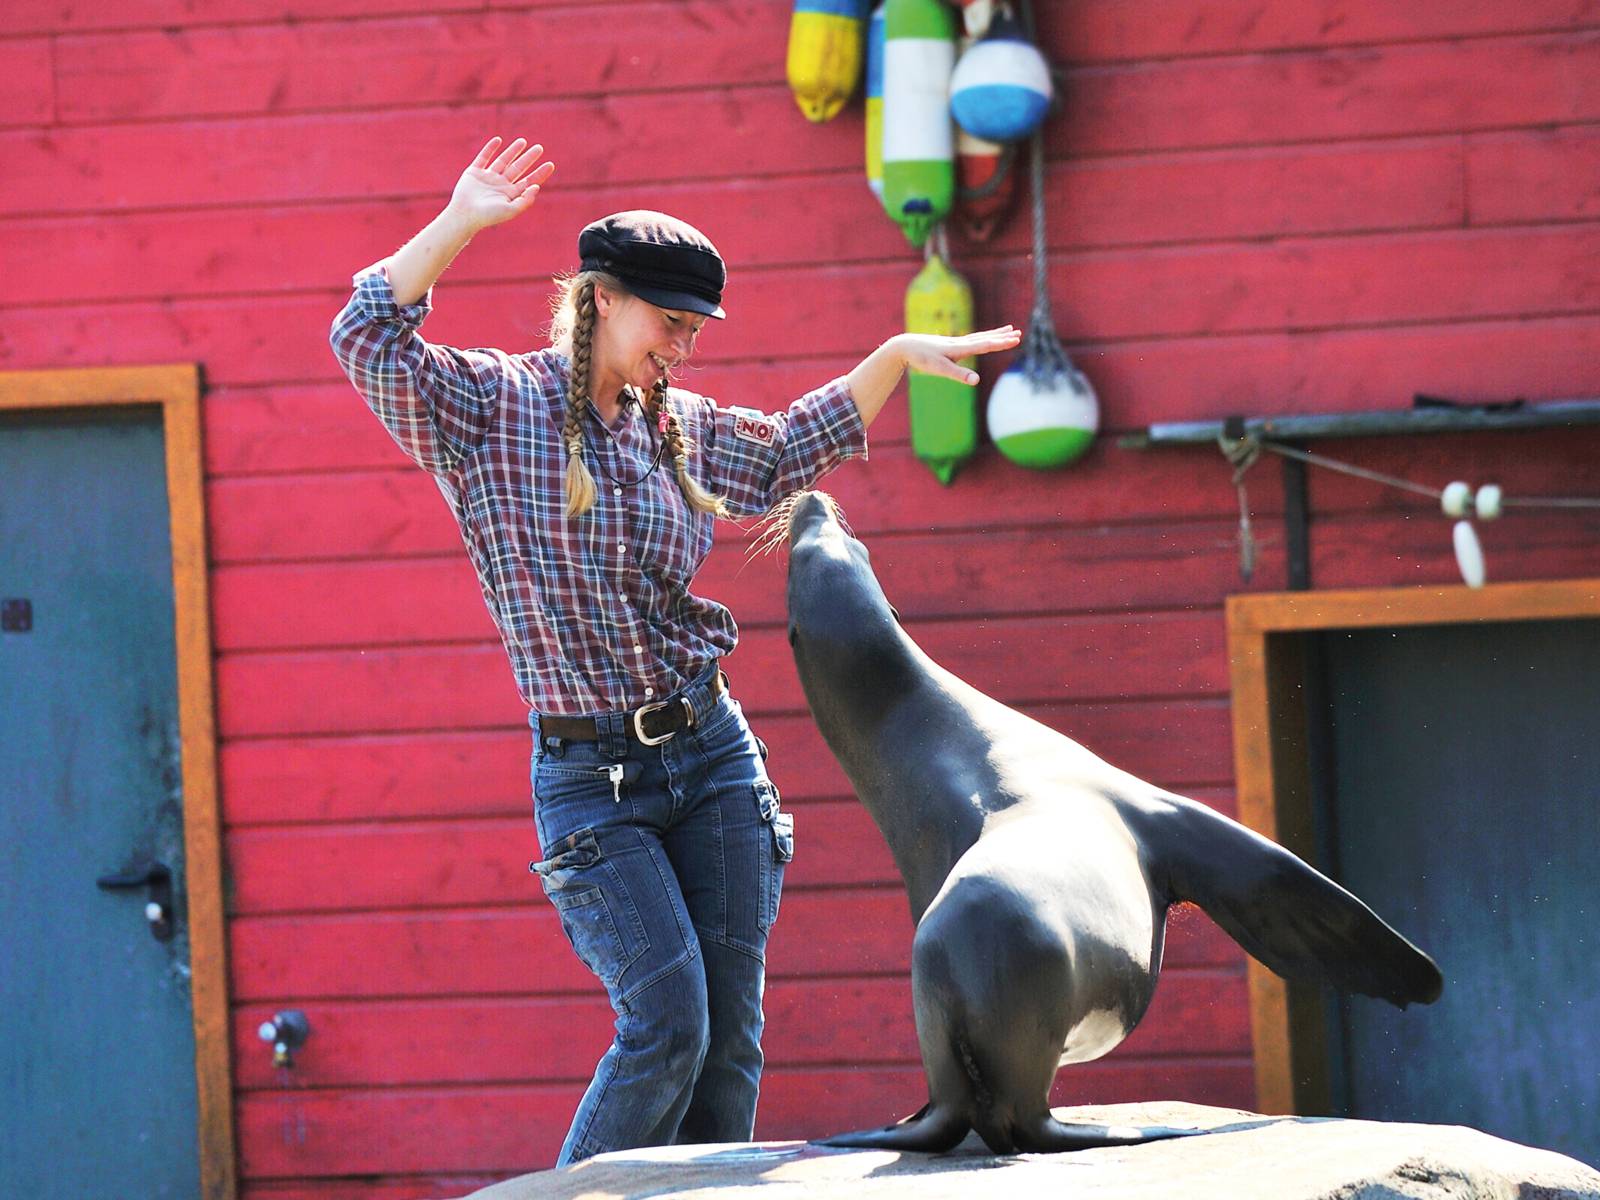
point(944, 412)
point(827, 42)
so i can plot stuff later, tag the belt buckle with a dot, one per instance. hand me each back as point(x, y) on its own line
point(638, 722)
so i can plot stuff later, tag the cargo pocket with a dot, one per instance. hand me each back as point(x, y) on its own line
point(778, 853)
point(597, 914)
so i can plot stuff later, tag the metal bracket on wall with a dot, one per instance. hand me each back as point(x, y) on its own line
point(1429, 414)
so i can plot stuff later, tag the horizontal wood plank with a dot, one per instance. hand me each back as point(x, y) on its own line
point(1322, 96)
point(1139, 381)
point(841, 1023)
point(408, 61)
point(1094, 31)
point(1177, 292)
point(396, 602)
point(1533, 175)
point(371, 62)
point(1112, 30)
point(325, 426)
point(1489, 83)
point(1162, 199)
point(399, 513)
point(521, 950)
point(517, 1129)
point(27, 84)
point(468, 862)
point(925, 576)
point(1180, 744)
point(1018, 660)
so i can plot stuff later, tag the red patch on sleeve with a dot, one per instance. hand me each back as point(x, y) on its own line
point(754, 429)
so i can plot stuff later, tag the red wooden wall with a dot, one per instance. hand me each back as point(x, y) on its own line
point(1311, 205)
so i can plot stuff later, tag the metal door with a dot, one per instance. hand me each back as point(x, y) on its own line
point(97, 1056)
point(1467, 809)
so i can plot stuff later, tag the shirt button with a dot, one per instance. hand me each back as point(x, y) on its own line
point(621, 547)
point(616, 491)
point(638, 649)
point(649, 691)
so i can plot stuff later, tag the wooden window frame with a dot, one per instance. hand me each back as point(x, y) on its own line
point(1266, 648)
point(175, 390)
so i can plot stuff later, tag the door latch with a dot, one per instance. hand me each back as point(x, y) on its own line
point(287, 1031)
point(158, 908)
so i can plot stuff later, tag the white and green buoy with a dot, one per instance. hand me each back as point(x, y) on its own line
point(1043, 411)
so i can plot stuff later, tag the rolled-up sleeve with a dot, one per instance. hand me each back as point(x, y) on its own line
point(436, 402)
point(755, 459)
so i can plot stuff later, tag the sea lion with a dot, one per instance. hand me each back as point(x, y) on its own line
point(1039, 875)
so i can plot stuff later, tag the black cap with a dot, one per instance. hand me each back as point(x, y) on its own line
point(661, 259)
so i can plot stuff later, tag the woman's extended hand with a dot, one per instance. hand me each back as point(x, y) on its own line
point(933, 354)
point(500, 183)
point(876, 375)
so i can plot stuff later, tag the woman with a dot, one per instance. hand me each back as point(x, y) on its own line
point(585, 490)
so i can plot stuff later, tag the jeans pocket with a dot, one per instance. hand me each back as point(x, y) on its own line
point(778, 850)
point(597, 914)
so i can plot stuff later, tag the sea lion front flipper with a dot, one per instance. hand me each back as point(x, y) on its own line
point(931, 1130)
point(1291, 917)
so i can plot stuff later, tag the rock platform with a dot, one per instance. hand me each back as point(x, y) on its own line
point(1242, 1156)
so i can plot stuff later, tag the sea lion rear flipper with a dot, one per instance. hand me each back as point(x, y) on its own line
point(1050, 1136)
point(1291, 917)
point(931, 1130)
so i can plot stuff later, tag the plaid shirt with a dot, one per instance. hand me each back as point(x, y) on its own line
point(596, 612)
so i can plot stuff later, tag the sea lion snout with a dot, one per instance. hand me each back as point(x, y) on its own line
point(809, 513)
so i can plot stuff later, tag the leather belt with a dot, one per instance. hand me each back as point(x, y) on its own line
point(649, 724)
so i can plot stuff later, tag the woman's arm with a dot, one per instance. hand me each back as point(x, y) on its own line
point(875, 377)
point(495, 188)
point(437, 402)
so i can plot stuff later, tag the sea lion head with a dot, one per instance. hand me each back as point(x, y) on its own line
point(839, 617)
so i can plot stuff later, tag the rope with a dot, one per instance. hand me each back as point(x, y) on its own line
point(1044, 359)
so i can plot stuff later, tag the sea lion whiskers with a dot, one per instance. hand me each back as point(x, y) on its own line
point(774, 529)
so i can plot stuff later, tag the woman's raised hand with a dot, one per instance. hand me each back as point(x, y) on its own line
point(933, 354)
point(500, 183)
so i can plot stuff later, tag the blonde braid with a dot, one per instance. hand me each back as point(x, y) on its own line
point(678, 447)
point(580, 484)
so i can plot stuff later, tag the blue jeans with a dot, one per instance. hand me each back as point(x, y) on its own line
point(667, 882)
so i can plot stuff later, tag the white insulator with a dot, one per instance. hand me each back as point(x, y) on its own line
point(1456, 500)
point(268, 1032)
point(1469, 554)
point(1488, 501)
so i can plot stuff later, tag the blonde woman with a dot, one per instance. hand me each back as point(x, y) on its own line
point(585, 488)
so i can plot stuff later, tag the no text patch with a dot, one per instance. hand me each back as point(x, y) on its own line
point(753, 427)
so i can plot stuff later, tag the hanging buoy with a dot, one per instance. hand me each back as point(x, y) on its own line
point(985, 186)
point(1043, 411)
point(1456, 498)
point(1469, 554)
point(944, 412)
point(826, 44)
point(1042, 423)
point(918, 146)
point(1000, 89)
point(975, 15)
point(875, 102)
point(1488, 501)
point(985, 183)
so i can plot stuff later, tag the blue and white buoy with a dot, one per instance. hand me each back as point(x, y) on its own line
point(1001, 88)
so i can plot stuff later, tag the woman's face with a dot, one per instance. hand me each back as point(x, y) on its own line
point(638, 343)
